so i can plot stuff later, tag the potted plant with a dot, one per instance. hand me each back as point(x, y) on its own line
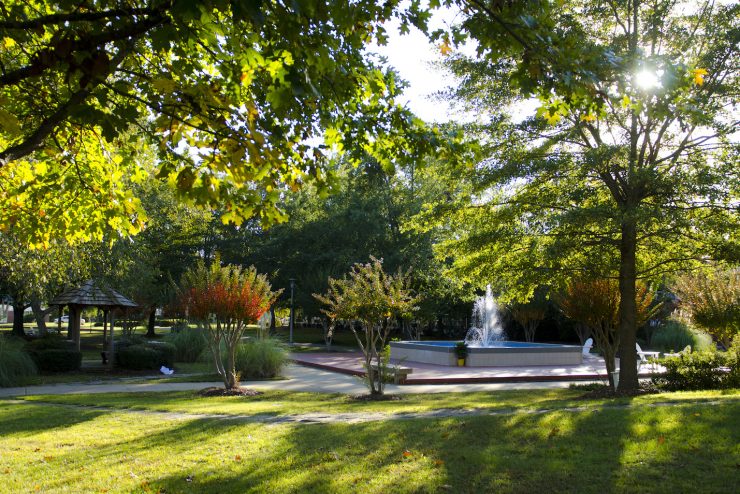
point(461, 350)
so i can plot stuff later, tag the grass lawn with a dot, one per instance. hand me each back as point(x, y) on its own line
point(692, 447)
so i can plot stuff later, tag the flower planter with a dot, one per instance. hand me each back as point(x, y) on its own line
point(461, 362)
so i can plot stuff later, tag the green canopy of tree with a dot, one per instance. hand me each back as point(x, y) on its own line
point(628, 167)
point(363, 216)
point(235, 95)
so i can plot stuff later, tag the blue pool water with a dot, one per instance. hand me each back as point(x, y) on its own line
point(498, 344)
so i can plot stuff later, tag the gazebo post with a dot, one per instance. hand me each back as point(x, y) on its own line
point(77, 325)
point(59, 320)
point(105, 327)
point(110, 340)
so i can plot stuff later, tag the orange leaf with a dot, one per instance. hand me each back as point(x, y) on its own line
point(238, 458)
point(407, 454)
point(661, 440)
point(439, 463)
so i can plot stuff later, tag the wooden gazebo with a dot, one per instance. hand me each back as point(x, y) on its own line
point(92, 294)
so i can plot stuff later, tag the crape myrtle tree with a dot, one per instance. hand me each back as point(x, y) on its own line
point(711, 297)
point(629, 167)
point(233, 94)
point(595, 303)
point(224, 300)
point(372, 299)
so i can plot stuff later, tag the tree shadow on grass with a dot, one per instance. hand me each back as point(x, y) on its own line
point(24, 420)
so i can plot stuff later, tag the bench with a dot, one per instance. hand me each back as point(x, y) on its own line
point(400, 374)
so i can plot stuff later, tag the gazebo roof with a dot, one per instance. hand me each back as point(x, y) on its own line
point(93, 294)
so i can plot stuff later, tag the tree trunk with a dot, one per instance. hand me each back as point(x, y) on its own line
point(150, 324)
point(230, 378)
point(627, 306)
point(18, 309)
point(39, 315)
point(272, 320)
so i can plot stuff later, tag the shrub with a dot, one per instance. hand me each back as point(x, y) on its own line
point(258, 359)
point(145, 356)
point(189, 344)
point(57, 359)
point(16, 366)
point(49, 342)
point(698, 371)
point(713, 300)
point(673, 335)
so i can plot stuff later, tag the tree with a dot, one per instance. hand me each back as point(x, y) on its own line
point(595, 303)
point(31, 277)
point(363, 216)
point(529, 315)
point(230, 93)
point(225, 300)
point(373, 298)
point(627, 169)
point(713, 301)
point(147, 266)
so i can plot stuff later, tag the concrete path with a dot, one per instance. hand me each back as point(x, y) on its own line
point(352, 363)
point(299, 379)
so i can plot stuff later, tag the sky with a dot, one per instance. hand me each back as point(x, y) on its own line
point(412, 55)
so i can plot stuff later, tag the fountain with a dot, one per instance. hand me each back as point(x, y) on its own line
point(486, 329)
point(487, 347)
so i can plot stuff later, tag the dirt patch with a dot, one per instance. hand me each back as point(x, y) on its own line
point(228, 392)
point(383, 397)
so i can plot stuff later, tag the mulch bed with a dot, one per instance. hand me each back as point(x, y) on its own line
point(606, 392)
point(368, 397)
point(229, 392)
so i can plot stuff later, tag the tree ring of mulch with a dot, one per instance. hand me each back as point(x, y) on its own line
point(368, 397)
point(228, 392)
point(606, 392)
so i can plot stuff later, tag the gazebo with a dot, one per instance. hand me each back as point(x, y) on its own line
point(92, 294)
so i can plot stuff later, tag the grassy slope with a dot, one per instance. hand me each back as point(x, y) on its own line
point(688, 448)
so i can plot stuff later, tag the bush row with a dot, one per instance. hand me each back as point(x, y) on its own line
point(135, 354)
point(708, 369)
point(52, 353)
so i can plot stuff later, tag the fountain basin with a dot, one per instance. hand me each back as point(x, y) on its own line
point(500, 354)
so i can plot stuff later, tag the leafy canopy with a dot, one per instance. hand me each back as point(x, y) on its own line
point(235, 95)
point(609, 165)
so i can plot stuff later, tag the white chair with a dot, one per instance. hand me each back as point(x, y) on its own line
point(587, 347)
point(644, 356)
point(687, 349)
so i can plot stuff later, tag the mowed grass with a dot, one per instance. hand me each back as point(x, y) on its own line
point(692, 447)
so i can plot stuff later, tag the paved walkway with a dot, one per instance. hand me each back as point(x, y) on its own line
point(299, 378)
point(352, 363)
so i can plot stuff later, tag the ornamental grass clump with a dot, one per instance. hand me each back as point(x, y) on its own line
point(260, 359)
point(370, 300)
point(16, 366)
point(224, 300)
point(189, 344)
